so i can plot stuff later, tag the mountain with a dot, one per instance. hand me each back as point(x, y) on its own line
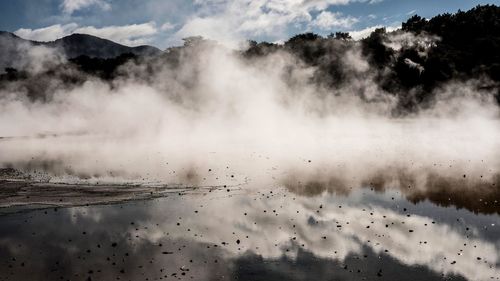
point(76, 45)
point(16, 51)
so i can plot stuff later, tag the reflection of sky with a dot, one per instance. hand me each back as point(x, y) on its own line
point(277, 232)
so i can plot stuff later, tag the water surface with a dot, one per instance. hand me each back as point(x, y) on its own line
point(252, 234)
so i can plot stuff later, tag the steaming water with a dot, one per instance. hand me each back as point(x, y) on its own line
point(246, 171)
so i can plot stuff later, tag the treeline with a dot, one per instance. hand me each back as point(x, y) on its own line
point(466, 46)
point(459, 46)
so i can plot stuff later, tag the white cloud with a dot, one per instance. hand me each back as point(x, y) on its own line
point(167, 26)
point(131, 35)
point(411, 12)
point(225, 20)
point(49, 33)
point(327, 20)
point(70, 6)
point(222, 20)
point(363, 33)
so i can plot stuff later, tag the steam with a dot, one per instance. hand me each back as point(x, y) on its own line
point(222, 119)
point(35, 58)
point(401, 39)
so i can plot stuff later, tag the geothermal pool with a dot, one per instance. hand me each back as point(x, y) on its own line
point(243, 233)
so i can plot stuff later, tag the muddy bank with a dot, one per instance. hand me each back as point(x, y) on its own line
point(20, 191)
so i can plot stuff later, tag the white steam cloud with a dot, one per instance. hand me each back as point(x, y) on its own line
point(221, 119)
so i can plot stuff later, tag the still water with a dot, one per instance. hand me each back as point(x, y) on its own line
point(254, 234)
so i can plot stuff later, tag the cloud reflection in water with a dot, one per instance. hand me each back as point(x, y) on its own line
point(223, 235)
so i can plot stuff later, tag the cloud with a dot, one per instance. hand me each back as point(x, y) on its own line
point(49, 33)
point(70, 6)
point(411, 12)
point(132, 35)
point(167, 26)
point(363, 33)
point(327, 20)
point(224, 20)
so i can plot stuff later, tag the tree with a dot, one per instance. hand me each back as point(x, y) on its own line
point(340, 36)
point(192, 41)
point(415, 24)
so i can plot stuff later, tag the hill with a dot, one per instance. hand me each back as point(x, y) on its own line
point(16, 50)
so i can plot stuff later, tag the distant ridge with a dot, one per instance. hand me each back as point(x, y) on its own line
point(78, 44)
point(14, 48)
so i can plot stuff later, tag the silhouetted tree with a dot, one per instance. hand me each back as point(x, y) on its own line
point(415, 24)
point(340, 36)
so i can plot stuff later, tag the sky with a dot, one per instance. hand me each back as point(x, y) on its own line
point(163, 23)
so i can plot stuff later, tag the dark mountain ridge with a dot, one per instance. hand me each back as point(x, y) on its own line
point(78, 44)
point(15, 48)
